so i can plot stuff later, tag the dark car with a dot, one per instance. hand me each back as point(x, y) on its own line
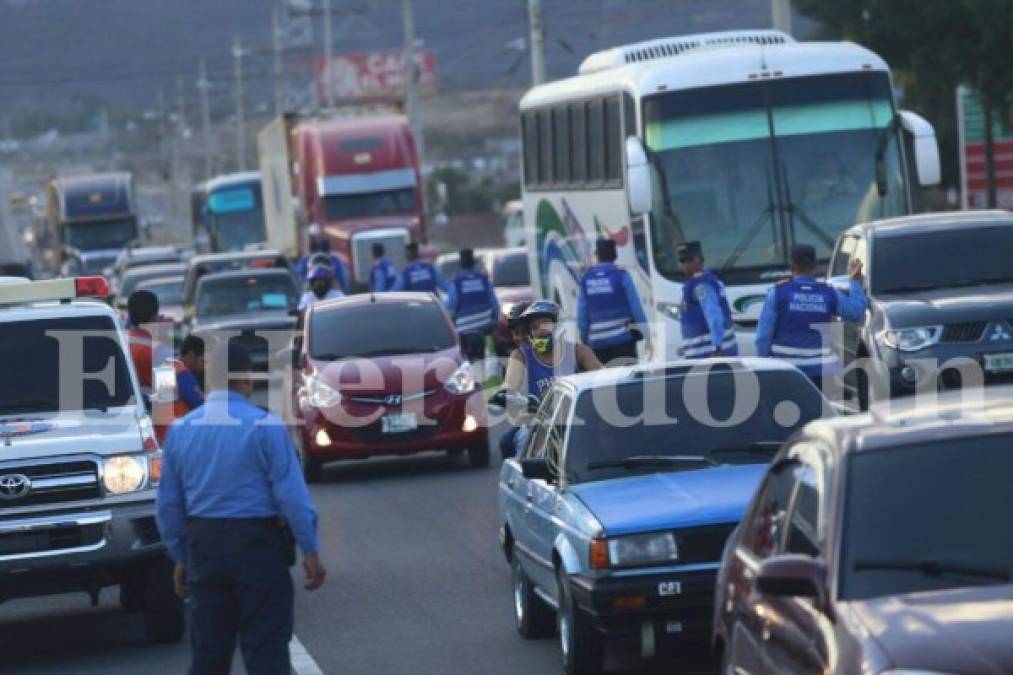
point(256, 303)
point(878, 545)
point(384, 375)
point(940, 290)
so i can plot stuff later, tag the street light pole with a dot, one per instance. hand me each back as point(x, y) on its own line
point(205, 114)
point(536, 42)
point(237, 54)
point(328, 55)
point(410, 70)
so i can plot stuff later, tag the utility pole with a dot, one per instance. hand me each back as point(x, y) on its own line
point(780, 15)
point(328, 55)
point(536, 42)
point(237, 55)
point(410, 102)
point(205, 113)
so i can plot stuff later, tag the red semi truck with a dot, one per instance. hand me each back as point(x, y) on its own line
point(354, 174)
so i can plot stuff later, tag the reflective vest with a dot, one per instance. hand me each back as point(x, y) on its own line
point(473, 313)
point(541, 376)
point(608, 312)
point(419, 276)
point(696, 334)
point(141, 344)
point(804, 307)
point(389, 274)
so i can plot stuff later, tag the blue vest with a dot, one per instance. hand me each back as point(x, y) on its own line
point(696, 334)
point(540, 376)
point(804, 307)
point(473, 313)
point(608, 312)
point(389, 274)
point(419, 276)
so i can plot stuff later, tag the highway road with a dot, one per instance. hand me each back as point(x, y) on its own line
point(416, 584)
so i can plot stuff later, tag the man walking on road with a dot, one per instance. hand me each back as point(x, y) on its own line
point(419, 275)
point(473, 305)
point(383, 274)
point(706, 317)
point(608, 306)
point(230, 481)
point(798, 311)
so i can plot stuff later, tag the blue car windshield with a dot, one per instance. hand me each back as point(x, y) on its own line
point(726, 416)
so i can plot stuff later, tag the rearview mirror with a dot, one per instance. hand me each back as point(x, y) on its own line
point(920, 137)
point(792, 575)
point(535, 468)
point(638, 177)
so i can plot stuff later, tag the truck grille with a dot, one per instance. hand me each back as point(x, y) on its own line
point(50, 483)
point(52, 539)
point(702, 544)
point(963, 332)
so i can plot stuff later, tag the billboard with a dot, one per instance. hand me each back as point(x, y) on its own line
point(971, 125)
point(374, 75)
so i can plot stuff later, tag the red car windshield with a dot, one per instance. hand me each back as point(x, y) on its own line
point(379, 329)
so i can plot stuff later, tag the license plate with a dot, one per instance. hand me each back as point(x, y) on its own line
point(673, 627)
point(399, 423)
point(999, 363)
point(669, 588)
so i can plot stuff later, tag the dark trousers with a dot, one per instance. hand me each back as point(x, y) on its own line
point(239, 586)
point(473, 346)
point(626, 353)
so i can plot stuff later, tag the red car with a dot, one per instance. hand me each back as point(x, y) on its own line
point(383, 375)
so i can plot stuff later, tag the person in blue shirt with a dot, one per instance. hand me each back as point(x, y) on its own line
point(190, 372)
point(383, 274)
point(472, 303)
point(419, 275)
point(797, 313)
point(229, 476)
point(610, 316)
point(706, 317)
point(337, 265)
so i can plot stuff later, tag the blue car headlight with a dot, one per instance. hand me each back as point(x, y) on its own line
point(635, 550)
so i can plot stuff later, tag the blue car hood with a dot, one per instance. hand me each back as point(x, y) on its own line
point(660, 501)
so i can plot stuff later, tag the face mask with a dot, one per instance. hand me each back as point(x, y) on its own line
point(320, 290)
point(543, 344)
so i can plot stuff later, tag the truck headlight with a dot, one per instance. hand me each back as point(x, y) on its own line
point(643, 549)
point(910, 339)
point(462, 381)
point(320, 394)
point(124, 473)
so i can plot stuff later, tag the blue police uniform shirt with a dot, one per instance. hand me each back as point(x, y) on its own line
point(473, 303)
point(606, 304)
point(794, 318)
point(230, 459)
point(382, 276)
point(541, 376)
point(706, 318)
point(188, 388)
point(420, 276)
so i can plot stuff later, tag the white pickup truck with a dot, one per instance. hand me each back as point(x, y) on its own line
point(79, 463)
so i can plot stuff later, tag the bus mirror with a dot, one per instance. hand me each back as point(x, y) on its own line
point(638, 177)
point(920, 137)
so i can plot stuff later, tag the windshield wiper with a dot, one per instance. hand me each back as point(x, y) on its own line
point(34, 404)
point(937, 568)
point(328, 357)
point(757, 447)
point(985, 281)
point(794, 209)
point(641, 461)
point(766, 214)
point(913, 288)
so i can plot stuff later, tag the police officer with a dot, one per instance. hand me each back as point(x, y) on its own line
point(473, 304)
point(706, 318)
point(607, 305)
point(321, 282)
point(419, 275)
point(797, 311)
point(383, 274)
point(229, 476)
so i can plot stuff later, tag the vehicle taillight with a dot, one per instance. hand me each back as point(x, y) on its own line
point(91, 286)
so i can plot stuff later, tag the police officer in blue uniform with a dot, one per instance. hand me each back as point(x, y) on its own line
point(608, 307)
point(230, 479)
point(797, 313)
point(706, 318)
point(383, 274)
point(473, 304)
point(419, 275)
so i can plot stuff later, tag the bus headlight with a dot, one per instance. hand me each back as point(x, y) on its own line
point(124, 473)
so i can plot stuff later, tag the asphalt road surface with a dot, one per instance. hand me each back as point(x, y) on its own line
point(416, 584)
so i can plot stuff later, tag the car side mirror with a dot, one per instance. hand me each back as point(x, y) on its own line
point(534, 468)
point(638, 177)
point(793, 575)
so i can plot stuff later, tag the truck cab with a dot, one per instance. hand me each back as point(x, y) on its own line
point(80, 464)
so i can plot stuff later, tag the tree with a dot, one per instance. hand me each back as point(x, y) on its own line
point(934, 46)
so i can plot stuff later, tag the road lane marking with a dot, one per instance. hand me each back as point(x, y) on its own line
point(302, 662)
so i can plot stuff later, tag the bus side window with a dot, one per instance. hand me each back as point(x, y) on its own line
point(640, 242)
point(629, 116)
point(545, 174)
point(596, 141)
point(529, 124)
point(613, 141)
point(561, 137)
point(578, 143)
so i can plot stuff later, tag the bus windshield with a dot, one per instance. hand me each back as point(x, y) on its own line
point(750, 169)
point(236, 217)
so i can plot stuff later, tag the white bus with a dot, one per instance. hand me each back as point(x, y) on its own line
point(747, 141)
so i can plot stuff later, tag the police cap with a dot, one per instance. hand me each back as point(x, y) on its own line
point(688, 250)
point(803, 255)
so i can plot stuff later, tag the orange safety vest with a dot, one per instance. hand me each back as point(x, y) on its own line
point(141, 345)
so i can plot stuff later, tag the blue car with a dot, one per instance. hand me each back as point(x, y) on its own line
point(615, 515)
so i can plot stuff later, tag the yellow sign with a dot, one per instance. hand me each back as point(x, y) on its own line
point(95, 198)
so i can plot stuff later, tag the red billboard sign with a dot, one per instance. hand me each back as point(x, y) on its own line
point(373, 75)
point(974, 185)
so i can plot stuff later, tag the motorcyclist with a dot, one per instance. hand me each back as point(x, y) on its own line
point(518, 331)
point(321, 286)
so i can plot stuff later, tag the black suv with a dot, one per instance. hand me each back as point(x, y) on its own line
point(940, 290)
